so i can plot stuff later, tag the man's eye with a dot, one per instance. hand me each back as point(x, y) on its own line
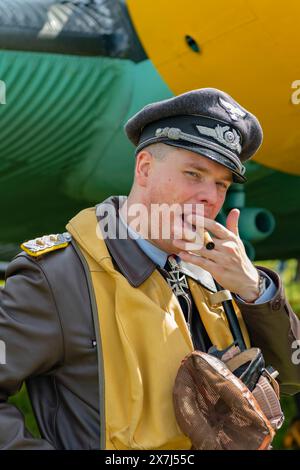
point(222, 186)
point(192, 173)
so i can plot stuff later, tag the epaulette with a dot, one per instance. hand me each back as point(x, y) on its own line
point(42, 245)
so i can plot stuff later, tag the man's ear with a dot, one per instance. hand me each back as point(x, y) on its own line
point(143, 166)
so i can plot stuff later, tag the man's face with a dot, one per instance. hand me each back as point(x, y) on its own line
point(184, 177)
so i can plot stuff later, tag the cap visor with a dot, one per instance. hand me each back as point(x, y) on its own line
point(212, 155)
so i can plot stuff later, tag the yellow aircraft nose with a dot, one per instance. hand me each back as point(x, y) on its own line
point(248, 49)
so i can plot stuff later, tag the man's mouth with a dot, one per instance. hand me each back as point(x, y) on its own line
point(184, 220)
point(206, 214)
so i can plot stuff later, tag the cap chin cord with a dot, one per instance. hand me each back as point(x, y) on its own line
point(174, 133)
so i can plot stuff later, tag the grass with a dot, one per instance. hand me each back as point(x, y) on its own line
point(22, 401)
point(292, 287)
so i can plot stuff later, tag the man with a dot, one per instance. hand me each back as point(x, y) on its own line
point(90, 319)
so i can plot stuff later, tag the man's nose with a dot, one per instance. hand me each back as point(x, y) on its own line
point(208, 193)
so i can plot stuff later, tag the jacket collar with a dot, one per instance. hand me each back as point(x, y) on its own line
point(130, 259)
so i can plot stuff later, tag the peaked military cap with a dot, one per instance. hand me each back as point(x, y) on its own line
point(206, 121)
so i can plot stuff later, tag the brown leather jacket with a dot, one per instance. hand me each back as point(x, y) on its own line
point(47, 317)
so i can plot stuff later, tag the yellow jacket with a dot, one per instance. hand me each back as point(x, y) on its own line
point(144, 338)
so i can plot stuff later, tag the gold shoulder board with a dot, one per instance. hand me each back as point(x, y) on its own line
point(47, 243)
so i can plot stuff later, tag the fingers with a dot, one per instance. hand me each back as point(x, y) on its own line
point(214, 227)
point(204, 263)
point(232, 221)
point(200, 251)
point(188, 239)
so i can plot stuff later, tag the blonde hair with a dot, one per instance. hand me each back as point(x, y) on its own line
point(158, 150)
